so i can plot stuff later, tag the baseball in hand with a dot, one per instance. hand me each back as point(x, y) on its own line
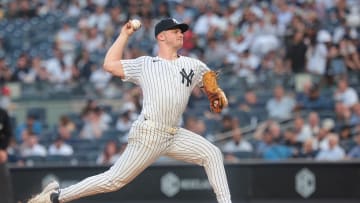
point(135, 23)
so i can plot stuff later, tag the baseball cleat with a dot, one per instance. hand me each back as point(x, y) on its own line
point(44, 196)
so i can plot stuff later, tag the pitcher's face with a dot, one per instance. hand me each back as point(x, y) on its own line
point(174, 38)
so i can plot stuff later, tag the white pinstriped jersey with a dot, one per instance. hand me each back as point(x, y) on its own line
point(166, 85)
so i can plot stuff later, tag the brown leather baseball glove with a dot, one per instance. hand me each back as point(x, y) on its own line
point(215, 94)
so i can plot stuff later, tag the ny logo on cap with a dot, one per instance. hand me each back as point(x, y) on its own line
point(175, 21)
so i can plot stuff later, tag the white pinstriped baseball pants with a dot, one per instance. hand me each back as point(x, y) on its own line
point(147, 142)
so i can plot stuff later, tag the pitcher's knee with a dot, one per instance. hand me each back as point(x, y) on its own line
point(115, 182)
point(214, 154)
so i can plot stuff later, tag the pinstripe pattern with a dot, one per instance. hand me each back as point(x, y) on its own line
point(156, 132)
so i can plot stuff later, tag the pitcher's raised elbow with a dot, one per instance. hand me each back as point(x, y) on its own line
point(106, 67)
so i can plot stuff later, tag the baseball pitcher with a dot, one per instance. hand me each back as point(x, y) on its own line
point(166, 81)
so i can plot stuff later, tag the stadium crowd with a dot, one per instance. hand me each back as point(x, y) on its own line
point(290, 68)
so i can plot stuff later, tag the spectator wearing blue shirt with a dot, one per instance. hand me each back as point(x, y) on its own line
point(355, 115)
point(271, 150)
point(31, 124)
point(313, 100)
point(355, 151)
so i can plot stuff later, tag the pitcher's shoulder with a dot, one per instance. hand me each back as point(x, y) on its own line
point(193, 60)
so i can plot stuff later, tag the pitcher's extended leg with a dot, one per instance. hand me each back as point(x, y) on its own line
point(190, 147)
point(136, 157)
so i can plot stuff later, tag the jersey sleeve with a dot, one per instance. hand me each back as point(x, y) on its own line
point(132, 69)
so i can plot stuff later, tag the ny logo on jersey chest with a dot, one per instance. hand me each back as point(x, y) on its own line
point(187, 77)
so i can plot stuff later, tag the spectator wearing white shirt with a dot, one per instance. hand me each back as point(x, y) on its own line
point(31, 147)
point(345, 94)
point(302, 131)
point(334, 152)
point(100, 79)
point(208, 21)
point(247, 64)
point(93, 41)
point(124, 122)
point(100, 19)
point(313, 122)
point(316, 54)
point(237, 144)
point(66, 39)
point(59, 147)
point(280, 106)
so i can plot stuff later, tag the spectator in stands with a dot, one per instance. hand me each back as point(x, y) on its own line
point(215, 54)
point(5, 71)
point(90, 104)
point(246, 66)
point(355, 151)
point(6, 101)
point(23, 72)
point(280, 106)
point(100, 79)
point(237, 143)
point(206, 23)
point(182, 13)
point(336, 64)
point(93, 127)
point(313, 123)
point(316, 54)
point(295, 53)
point(250, 101)
point(104, 112)
point(272, 64)
point(301, 131)
point(307, 150)
point(12, 9)
point(346, 140)
point(355, 115)
point(65, 127)
point(54, 64)
point(31, 147)
point(60, 148)
point(100, 19)
point(350, 54)
point(36, 66)
point(265, 142)
point(124, 122)
point(334, 152)
point(228, 123)
point(26, 10)
point(321, 141)
point(342, 115)
point(30, 125)
point(65, 39)
point(314, 100)
point(110, 154)
point(269, 146)
point(84, 64)
point(345, 94)
point(94, 40)
point(291, 139)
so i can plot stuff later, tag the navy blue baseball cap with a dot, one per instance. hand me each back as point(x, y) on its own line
point(168, 24)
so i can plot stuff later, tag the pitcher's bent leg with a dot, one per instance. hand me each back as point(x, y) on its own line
point(132, 162)
point(190, 147)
